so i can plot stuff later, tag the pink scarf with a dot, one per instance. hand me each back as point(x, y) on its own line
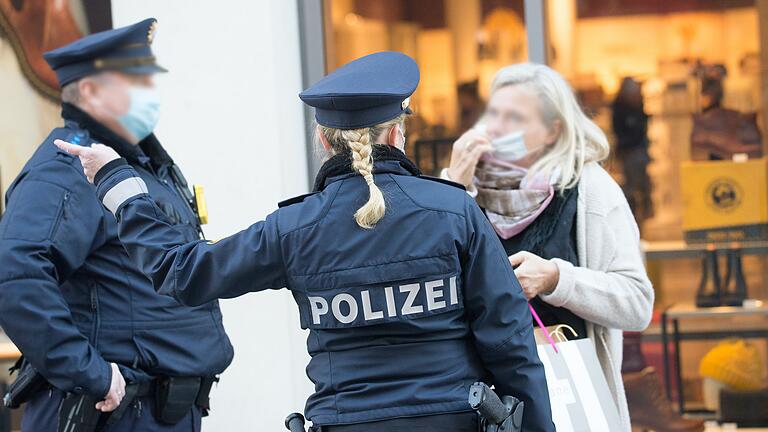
point(510, 199)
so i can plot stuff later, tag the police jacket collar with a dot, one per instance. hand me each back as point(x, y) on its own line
point(386, 159)
point(149, 149)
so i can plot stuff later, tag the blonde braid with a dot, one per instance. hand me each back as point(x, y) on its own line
point(359, 141)
point(359, 144)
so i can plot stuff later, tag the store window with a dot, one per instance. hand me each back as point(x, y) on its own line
point(459, 45)
point(669, 59)
point(677, 84)
point(671, 82)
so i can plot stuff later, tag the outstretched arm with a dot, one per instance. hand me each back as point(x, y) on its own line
point(193, 272)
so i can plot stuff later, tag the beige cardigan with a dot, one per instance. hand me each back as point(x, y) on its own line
point(610, 288)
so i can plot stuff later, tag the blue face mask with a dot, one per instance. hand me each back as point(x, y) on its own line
point(510, 147)
point(142, 116)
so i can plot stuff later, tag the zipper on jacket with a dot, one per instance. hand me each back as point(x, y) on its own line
point(59, 215)
point(94, 314)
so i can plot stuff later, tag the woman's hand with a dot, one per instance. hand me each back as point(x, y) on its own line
point(92, 158)
point(467, 151)
point(536, 275)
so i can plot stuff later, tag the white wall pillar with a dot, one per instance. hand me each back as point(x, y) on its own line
point(233, 121)
point(464, 18)
point(562, 37)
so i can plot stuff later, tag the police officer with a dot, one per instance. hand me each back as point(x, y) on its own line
point(403, 284)
point(83, 315)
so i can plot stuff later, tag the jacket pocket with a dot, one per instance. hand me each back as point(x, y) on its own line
point(35, 211)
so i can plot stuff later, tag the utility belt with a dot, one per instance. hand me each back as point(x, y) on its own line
point(453, 422)
point(173, 398)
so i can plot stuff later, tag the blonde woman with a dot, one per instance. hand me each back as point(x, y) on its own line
point(400, 279)
point(533, 165)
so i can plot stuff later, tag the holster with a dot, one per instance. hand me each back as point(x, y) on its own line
point(78, 413)
point(175, 396)
point(513, 423)
point(28, 382)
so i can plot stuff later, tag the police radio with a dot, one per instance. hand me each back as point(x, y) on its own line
point(196, 200)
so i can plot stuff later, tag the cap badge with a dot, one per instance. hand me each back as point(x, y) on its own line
point(405, 103)
point(151, 32)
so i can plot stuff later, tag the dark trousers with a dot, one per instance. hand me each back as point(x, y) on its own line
point(457, 422)
point(41, 415)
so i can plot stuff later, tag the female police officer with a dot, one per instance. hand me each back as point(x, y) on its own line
point(409, 299)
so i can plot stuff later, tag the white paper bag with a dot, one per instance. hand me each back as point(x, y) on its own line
point(578, 391)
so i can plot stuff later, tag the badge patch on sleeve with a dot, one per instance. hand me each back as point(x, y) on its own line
point(370, 305)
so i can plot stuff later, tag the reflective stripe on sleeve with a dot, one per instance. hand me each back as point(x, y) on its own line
point(122, 192)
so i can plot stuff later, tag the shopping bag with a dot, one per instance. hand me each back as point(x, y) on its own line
point(578, 391)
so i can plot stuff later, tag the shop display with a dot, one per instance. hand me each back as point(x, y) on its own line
point(719, 132)
point(745, 408)
point(725, 201)
point(735, 363)
point(648, 407)
point(714, 290)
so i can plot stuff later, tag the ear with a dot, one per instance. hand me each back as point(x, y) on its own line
point(554, 132)
point(323, 139)
point(86, 88)
point(392, 135)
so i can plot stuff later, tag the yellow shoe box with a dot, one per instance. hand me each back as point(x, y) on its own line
point(725, 201)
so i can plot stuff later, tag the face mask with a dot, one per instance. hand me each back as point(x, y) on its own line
point(510, 147)
point(142, 116)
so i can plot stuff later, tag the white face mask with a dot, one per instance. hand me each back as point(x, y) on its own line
point(510, 147)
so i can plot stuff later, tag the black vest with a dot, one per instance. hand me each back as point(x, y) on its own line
point(552, 235)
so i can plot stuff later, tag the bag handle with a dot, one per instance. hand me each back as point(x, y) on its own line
point(543, 328)
point(560, 334)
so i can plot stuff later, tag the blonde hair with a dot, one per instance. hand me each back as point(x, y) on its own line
point(580, 140)
point(360, 143)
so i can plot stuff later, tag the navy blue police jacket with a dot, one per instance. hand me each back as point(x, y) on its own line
point(70, 297)
point(402, 318)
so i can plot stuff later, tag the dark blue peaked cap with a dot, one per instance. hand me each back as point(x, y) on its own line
point(126, 49)
point(364, 92)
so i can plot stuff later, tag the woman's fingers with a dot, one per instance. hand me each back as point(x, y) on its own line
point(479, 150)
point(517, 258)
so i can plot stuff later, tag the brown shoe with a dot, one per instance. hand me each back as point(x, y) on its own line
point(648, 409)
point(34, 27)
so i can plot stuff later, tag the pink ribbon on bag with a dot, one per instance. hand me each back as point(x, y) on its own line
point(541, 324)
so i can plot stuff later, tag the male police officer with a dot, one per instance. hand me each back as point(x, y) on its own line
point(81, 313)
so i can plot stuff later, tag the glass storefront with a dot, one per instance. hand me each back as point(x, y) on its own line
point(458, 44)
point(656, 76)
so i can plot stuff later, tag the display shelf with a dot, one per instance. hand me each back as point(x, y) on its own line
point(677, 249)
point(683, 311)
